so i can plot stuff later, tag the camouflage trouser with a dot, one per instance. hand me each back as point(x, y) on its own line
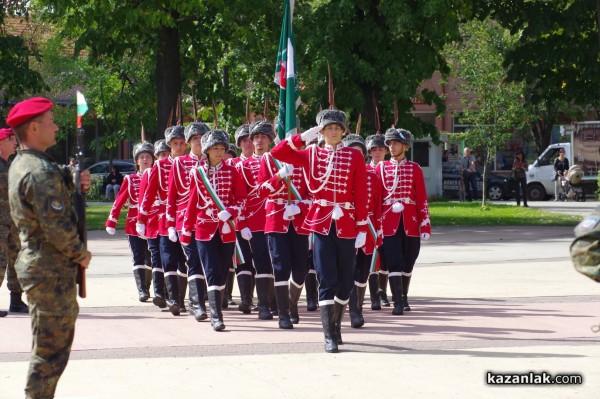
point(9, 249)
point(53, 308)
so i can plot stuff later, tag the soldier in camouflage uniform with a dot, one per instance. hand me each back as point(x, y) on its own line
point(585, 249)
point(40, 194)
point(9, 237)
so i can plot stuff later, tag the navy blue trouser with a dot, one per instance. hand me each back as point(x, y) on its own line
point(215, 257)
point(260, 255)
point(334, 260)
point(193, 260)
point(173, 259)
point(245, 267)
point(401, 252)
point(289, 255)
point(154, 247)
point(139, 250)
point(363, 267)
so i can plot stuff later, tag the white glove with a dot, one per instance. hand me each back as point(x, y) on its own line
point(246, 233)
point(224, 216)
point(285, 171)
point(311, 134)
point(111, 231)
point(425, 236)
point(173, 234)
point(291, 211)
point(361, 239)
point(140, 229)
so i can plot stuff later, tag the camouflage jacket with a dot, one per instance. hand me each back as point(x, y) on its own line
point(40, 195)
point(585, 249)
point(5, 218)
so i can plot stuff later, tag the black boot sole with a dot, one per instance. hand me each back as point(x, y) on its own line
point(160, 302)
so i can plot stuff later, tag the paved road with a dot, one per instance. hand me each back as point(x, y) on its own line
point(505, 300)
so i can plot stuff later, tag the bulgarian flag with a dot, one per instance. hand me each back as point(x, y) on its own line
point(285, 75)
point(82, 108)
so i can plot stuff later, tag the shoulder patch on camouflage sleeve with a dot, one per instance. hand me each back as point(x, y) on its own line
point(588, 224)
point(56, 204)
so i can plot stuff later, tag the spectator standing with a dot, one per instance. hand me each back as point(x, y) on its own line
point(518, 169)
point(561, 165)
point(469, 174)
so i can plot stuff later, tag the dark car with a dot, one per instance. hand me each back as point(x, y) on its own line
point(497, 187)
point(124, 167)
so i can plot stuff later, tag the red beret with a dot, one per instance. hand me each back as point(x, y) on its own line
point(6, 133)
point(25, 110)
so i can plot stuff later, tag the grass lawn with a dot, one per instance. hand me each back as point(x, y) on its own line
point(442, 214)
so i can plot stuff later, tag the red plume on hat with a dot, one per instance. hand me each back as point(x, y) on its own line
point(28, 109)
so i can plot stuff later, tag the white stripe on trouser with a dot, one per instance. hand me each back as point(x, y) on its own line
point(195, 277)
point(139, 267)
point(356, 283)
point(281, 283)
point(170, 274)
point(182, 274)
point(157, 270)
point(395, 274)
point(406, 274)
point(264, 276)
point(147, 267)
point(297, 285)
point(231, 269)
point(216, 288)
point(313, 271)
point(383, 272)
point(341, 302)
point(326, 302)
point(248, 272)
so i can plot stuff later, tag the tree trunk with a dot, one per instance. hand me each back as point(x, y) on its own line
point(368, 111)
point(486, 161)
point(542, 133)
point(168, 78)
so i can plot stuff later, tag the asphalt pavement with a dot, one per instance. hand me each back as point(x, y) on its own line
point(500, 300)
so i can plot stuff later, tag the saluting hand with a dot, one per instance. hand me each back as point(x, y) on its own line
point(86, 180)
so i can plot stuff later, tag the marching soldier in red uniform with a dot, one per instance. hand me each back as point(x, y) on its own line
point(217, 197)
point(287, 203)
point(143, 155)
point(365, 254)
point(377, 150)
point(177, 200)
point(336, 176)
point(161, 151)
point(252, 222)
point(173, 259)
point(405, 214)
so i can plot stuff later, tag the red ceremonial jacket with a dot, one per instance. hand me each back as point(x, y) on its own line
point(403, 183)
point(178, 193)
point(336, 177)
point(236, 160)
point(276, 192)
point(156, 194)
point(374, 191)
point(128, 193)
point(253, 215)
point(152, 216)
point(201, 212)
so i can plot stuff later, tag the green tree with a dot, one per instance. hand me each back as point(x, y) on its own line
point(557, 55)
point(493, 107)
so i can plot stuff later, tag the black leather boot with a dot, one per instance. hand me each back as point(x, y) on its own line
point(331, 345)
point(140, 282)
point(312, 292)
point(374, 291)
point(3, 313)
point(197, 304)
point(172, 284)
point(271, 297)
point(338, 314)
point(16, 303)
point(252, 291)
point(356, 317)
point(245, 285)
point(405, 285)
point(396, 289)
point(262, 291)
point(215, 300)
point(159, 289)
point(383, 282)
point(282, 295)
point(295, 292)
point(148, 275)
point(229, 289)
point(182, 283)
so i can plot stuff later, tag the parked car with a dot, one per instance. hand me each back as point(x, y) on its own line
point(124, 167)
point(497, 187)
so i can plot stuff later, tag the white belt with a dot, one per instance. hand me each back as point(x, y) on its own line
point(345, 205)
point(391, 201)
point(282, 201)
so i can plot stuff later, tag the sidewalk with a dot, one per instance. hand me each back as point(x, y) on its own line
point(498, 299)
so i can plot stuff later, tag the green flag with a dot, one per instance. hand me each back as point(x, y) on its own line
point(285, 75)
